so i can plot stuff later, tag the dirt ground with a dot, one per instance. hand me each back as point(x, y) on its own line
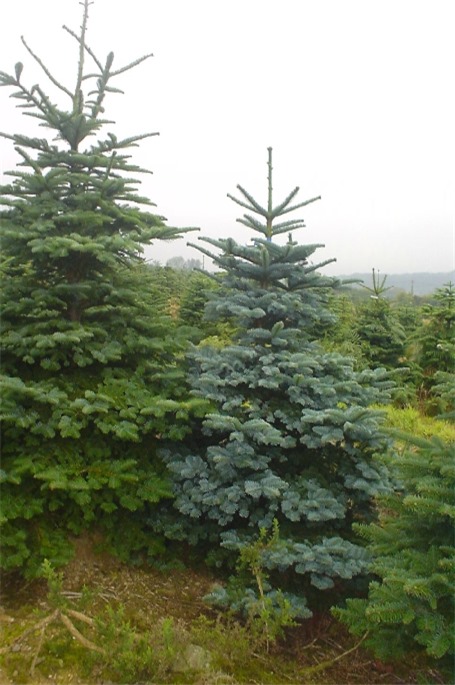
point(148, 594)
point(175, 593)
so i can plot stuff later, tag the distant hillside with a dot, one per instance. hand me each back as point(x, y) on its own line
point(418, 283)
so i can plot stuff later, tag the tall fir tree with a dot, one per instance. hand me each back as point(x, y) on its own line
point(290, 440)
point(89, 376)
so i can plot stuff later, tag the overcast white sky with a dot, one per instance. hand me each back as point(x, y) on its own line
point(356, 97)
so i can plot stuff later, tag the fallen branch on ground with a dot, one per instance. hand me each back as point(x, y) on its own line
point(327, 664)
point(57, 616)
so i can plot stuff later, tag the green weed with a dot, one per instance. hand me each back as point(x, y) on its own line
point(410, 420)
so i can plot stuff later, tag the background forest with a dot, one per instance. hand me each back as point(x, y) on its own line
point(287, 433)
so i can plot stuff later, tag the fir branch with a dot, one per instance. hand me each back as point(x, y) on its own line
point(34, 143)
point(314, 267)
point(132, 64)
point(239, 202)
point(8, 80)
point(107, 89)
point(51, 111)
point(277, 251)
point(132, 140)
point(45, 69)
point(251, 223)
point(279, 209)
point(31, 162)
point(293, 225)
point(102, 86)
point(288, 225)
point(301, 204)
point(35, 115)
point(88, 50)
point(112, 143)
point(254, 223)
point(110, 164)
point(207, 253)
point(24, 93)
point(255, 206)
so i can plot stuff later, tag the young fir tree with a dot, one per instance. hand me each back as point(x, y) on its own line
point(436, 350)
point(290, 441)
point(411, 605)
point(89, 378)
point(381, 334)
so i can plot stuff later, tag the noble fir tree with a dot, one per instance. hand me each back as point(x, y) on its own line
point(410, 606)
point(89, 378)
point(383, 339)
point(435, 340)
point(380, 332)
point(289, 443)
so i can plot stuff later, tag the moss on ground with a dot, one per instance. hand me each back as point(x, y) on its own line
point(143, 621)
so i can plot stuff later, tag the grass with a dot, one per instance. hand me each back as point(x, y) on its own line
point(410, 420)
point(150, 627)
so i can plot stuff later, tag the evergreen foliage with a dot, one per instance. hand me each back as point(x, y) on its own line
point(182, 294)
point(290, 436)
point(411, 605)
point(167, 284)
point(343, 336)
point(193, 299)
point(408, 310)
point(89, 373)
point(436, 350)
point(381, 334)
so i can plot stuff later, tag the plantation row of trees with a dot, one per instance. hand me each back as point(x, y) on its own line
point(210, 411)
point(411, 335)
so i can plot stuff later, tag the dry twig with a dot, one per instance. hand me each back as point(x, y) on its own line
point(57, 616)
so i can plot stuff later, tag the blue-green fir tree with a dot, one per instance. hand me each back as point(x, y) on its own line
point(290, 441)
point(89, 375)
